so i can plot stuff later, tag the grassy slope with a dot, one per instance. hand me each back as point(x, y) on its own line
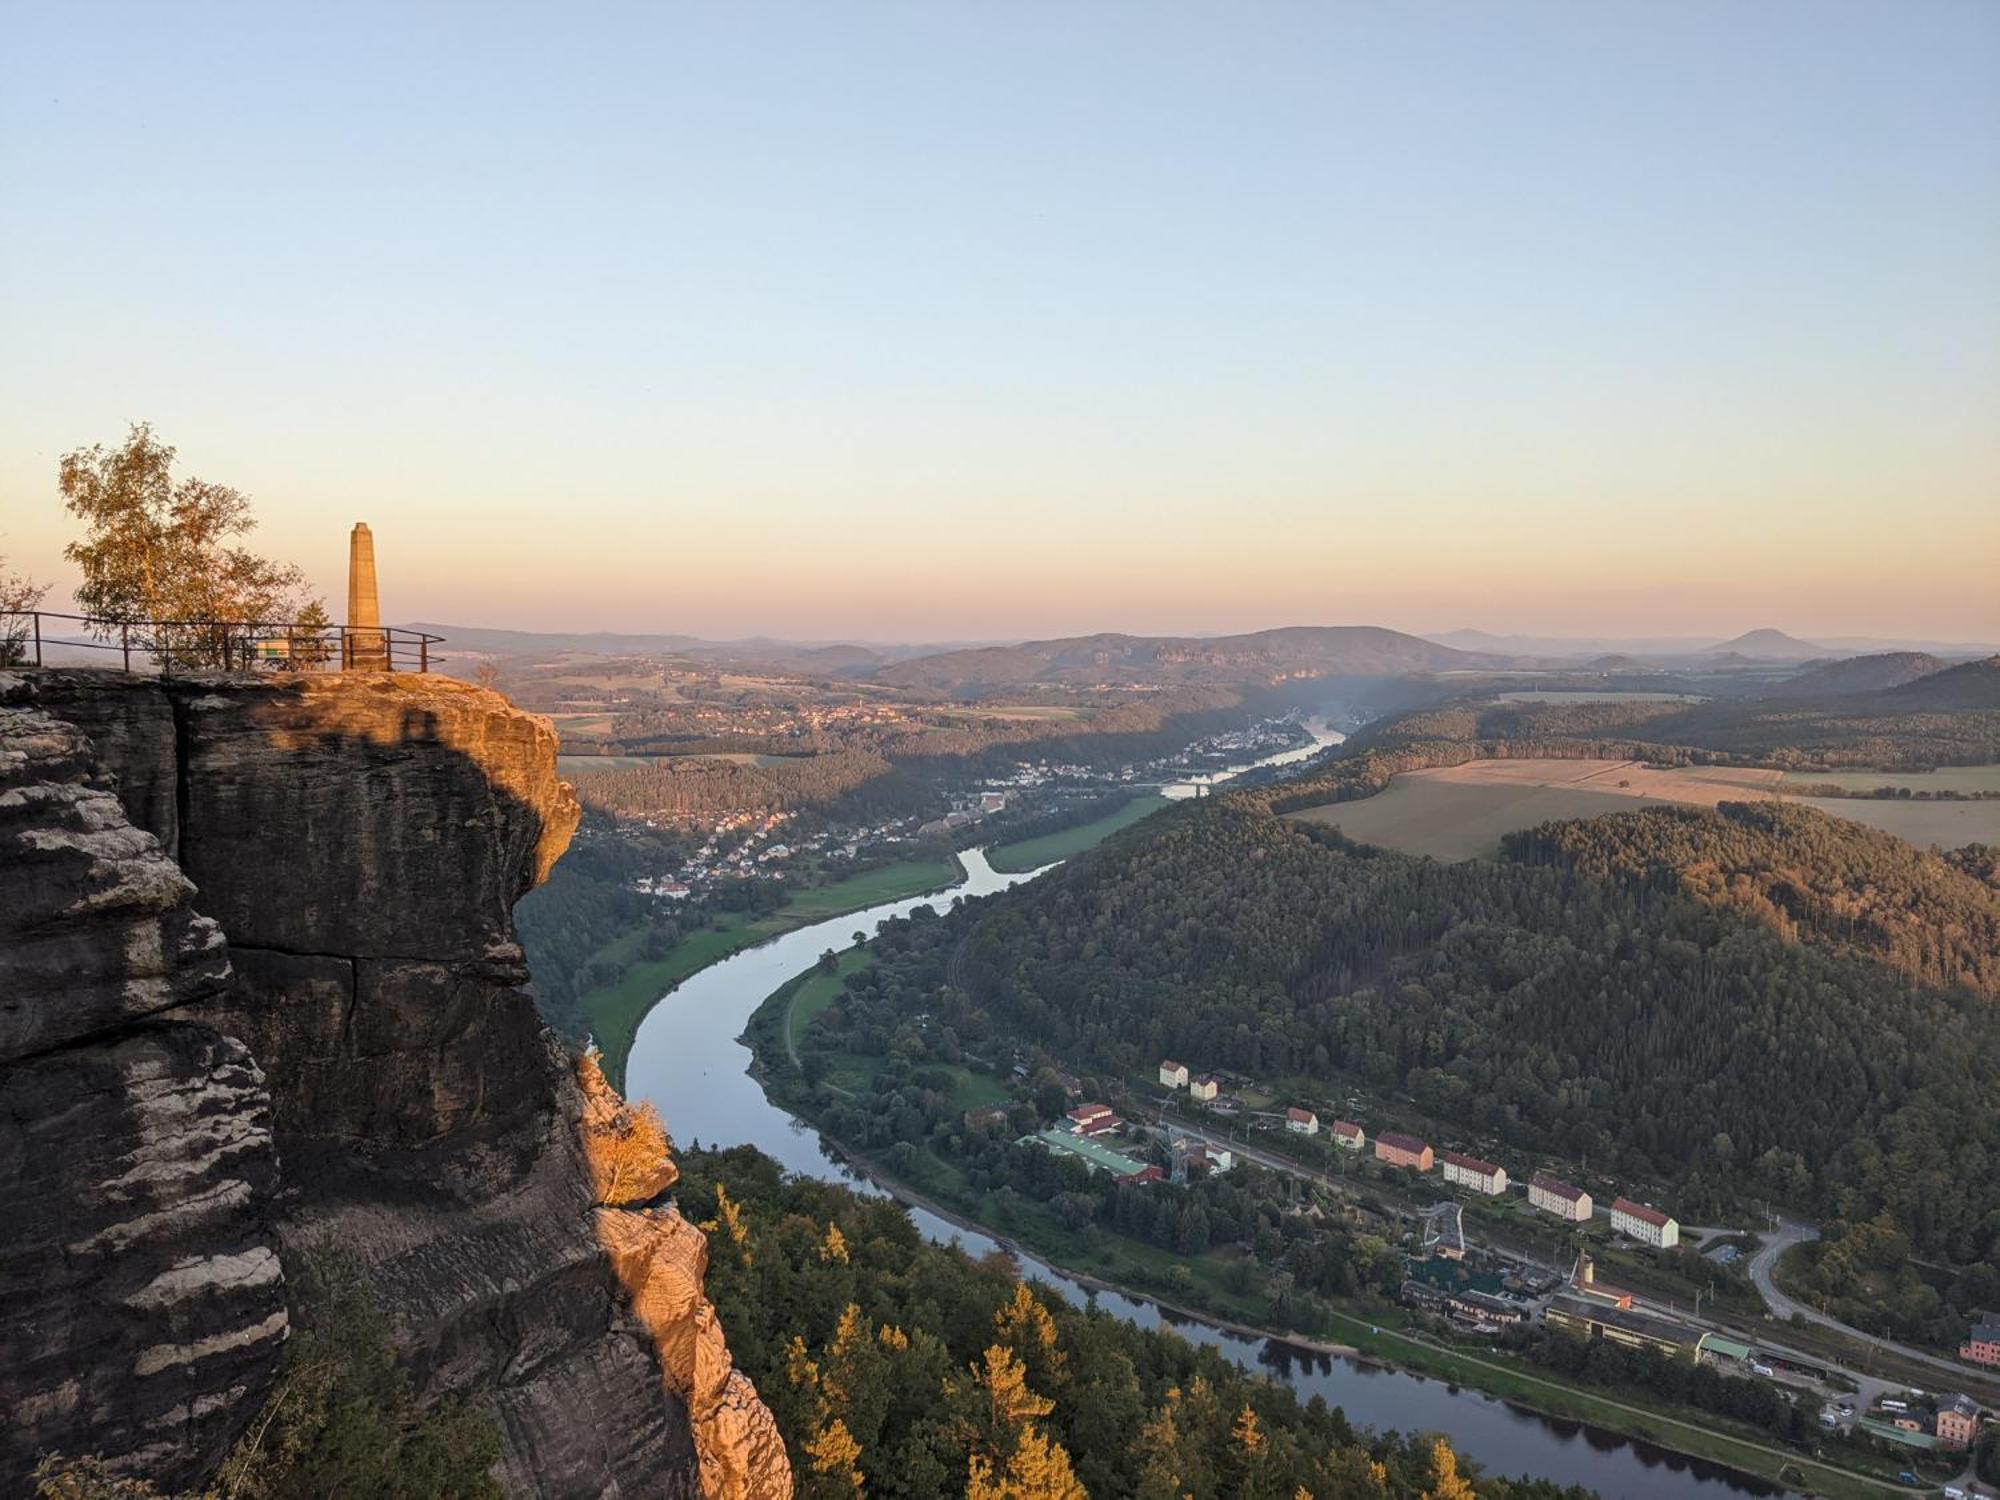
point(1013, 859)
point(614, 1011)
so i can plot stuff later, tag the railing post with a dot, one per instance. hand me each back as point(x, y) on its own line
point(423, 653)
point(125, 641)
point(38, 637)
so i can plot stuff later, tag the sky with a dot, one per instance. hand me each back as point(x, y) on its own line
point(938, 321)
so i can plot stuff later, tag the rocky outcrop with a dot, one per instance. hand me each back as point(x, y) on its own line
point(142, 1303)
point(662, 1262)
point(361, 839)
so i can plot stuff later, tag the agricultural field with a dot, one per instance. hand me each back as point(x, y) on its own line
point(1948, 825)
point(1957, 780)
point(569, 765)
point(1462, 812)
point(582, 726)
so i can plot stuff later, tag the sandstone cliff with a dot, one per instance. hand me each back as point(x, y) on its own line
point(363, 1069)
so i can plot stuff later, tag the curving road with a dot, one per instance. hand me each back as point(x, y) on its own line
point(1789, 1233)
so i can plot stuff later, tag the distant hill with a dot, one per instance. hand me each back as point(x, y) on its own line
point(1691, 648)
point(1263, 657)
point(1971, 687)
point(812, 657)
point(1769, 645)
point(1860, 674)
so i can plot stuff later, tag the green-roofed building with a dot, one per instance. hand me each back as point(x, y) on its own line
point(1094, 1154)
point(1722, 1348)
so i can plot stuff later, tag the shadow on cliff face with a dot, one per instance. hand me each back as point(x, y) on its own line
point(362, 841)
point(142, 1305)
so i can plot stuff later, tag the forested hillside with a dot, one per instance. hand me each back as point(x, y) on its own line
point(1950, 717)
point(1264, 656)
point(1802, 874)
point(856, 779)
point(896, 1367)
point(1656, 1035)
point(1860, 674)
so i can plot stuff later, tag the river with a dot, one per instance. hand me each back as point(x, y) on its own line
point(688, 1060)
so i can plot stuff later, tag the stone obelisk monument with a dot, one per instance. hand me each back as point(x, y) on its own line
point(367, 649)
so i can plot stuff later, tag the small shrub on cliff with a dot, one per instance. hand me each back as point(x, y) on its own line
point(625, 1146)
point(344, 1419)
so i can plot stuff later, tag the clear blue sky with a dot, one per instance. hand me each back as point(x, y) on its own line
point(934, 320)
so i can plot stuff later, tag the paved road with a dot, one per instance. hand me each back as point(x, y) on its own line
point(1789, 1233)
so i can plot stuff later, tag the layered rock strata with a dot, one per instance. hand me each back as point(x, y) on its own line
point(142, 1304)
point(361, 840)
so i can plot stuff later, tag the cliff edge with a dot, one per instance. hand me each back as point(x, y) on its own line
point(357, 1066)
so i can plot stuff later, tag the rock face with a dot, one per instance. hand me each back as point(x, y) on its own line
point(142, 1305)
point(662, 1262)
point(361, 840)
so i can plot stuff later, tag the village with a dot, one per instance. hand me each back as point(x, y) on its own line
point(1481, 1290)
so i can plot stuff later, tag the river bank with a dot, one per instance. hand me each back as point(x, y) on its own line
point(1755, 1463)
point(615, 1011)
point(689, 1062)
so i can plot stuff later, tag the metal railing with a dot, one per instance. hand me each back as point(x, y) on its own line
point(27, 637)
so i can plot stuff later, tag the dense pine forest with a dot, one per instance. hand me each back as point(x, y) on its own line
point(902, 1368)
point(1803, 875)
point(1656, 1035)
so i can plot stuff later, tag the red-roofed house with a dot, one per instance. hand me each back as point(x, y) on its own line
point(1646, 1224)
point(1173, 1075)
point(1349, 1134)
point(1470, 1171)
point(1301, 1121)
point(1092, 1119)
point(1564, 1200)
point(1404, 1151)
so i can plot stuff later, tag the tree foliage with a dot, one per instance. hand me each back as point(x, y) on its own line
point(910, 1370)
point(1618, 1020)
point(157, 548)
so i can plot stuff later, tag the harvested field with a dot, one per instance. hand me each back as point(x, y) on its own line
point(1462, 812)
point(1960, 779)
point(1945, 824)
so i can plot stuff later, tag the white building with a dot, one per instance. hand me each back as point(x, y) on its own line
point(1173, 1075)
point(1554, 1196)
point(1301, 1121)
point(1646, 1224)
point(1349, 1135)
point(1470, 1171)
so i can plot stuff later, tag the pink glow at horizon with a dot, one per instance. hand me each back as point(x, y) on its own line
point(894, 322)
